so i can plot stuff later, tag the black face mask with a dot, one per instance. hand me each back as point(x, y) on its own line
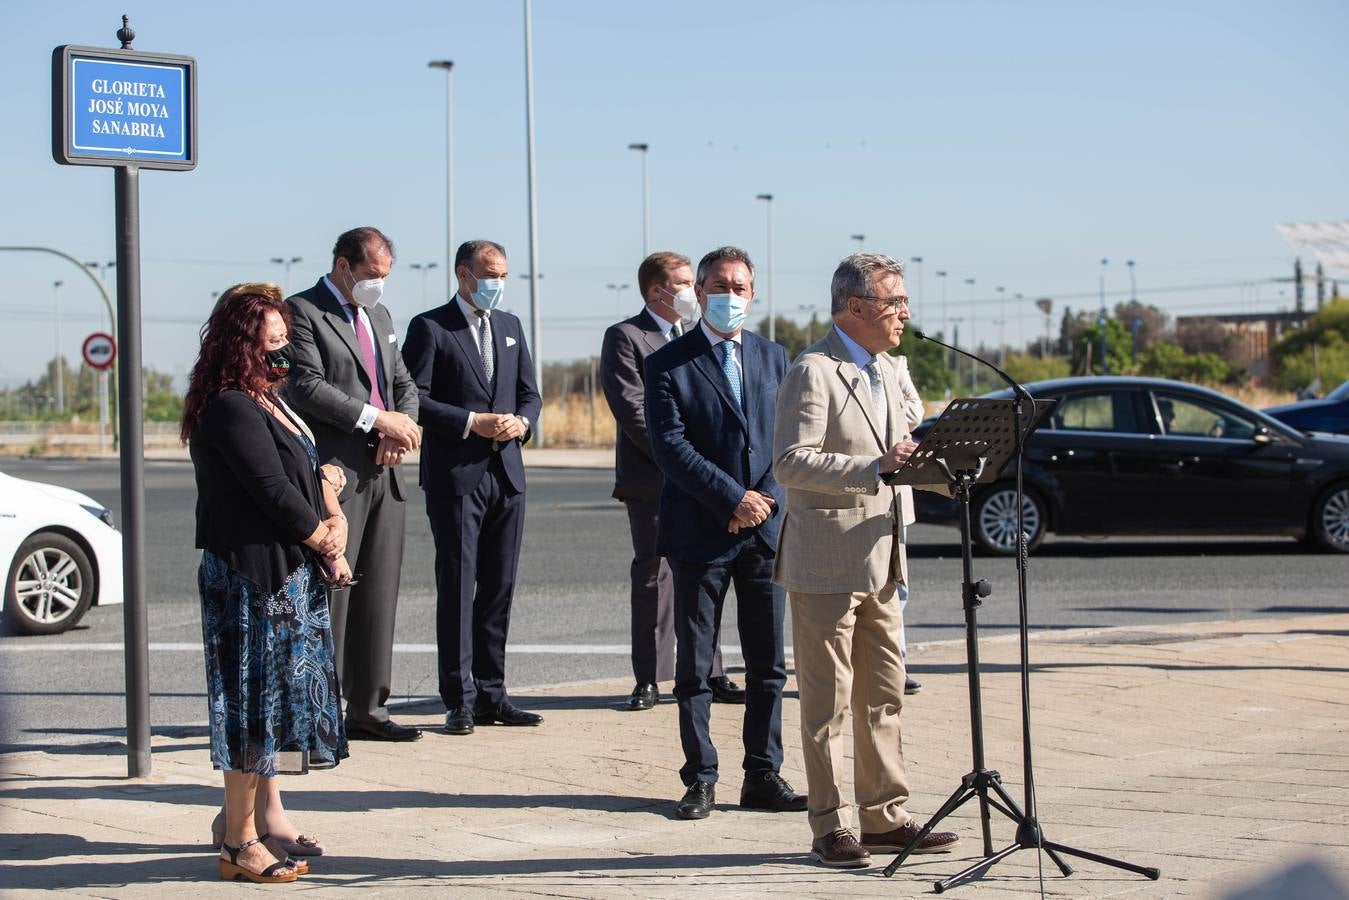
point(278, 363)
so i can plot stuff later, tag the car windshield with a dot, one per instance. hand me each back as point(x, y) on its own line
point(1340, 393)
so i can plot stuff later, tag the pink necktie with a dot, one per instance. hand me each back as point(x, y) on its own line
point(367, 354)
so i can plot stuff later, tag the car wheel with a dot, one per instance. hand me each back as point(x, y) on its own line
point(1330, 519)
point(993, 519)
point(50, 584)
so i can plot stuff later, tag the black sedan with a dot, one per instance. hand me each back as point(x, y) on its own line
point(1329, 414)
point(1147, 456)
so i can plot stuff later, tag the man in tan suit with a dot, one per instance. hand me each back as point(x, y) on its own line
point(844, 417)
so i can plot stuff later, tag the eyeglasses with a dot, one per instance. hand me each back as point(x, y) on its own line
point(892, 304)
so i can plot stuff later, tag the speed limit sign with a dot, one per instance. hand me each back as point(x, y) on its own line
point(99, 350)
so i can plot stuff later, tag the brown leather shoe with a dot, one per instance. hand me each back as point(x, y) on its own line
point(839, 850)
point(897, 839)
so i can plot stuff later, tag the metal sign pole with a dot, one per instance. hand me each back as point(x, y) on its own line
point(131, 395)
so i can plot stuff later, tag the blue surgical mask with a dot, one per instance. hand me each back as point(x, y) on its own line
point(725, 312)
point(488, 294)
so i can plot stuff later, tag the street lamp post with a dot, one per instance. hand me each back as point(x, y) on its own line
point(1100, 322)
point(535, 325)
point(942, 318)
point(861, 239)
point(646, 210)
point(618, 290)
point(448, 67)
point(102, 269)
point(58, 374)
point(772, 320)
point(973, 318)
point(287, 262)
point(918, 263)
point(425, 269)
point(1002, 324)
point(1133, 311)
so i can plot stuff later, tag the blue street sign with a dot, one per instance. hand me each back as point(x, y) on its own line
point(123, 107)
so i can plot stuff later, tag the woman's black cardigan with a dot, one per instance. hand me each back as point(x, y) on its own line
point(258, 494)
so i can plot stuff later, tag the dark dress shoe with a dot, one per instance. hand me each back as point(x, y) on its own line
point(911, 686)
point(459, 720)
point(724, 690)
point(382, 731)
point(897, 839)
point(697, 801)
point(840, 850)
point(767, 790)
point(506, 714)
point(644, 696)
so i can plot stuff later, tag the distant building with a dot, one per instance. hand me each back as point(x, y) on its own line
point(1256, 332)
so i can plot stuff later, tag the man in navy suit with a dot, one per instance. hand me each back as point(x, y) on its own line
point(709, 412)
point(478, 394)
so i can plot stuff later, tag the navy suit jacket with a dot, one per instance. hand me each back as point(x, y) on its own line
point(442, 357)
point(709, 449)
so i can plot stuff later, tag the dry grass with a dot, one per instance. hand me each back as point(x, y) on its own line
point(577, 421)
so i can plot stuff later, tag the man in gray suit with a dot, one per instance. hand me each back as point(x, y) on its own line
point(665, 281)
point(845, 414)
point(349, 383)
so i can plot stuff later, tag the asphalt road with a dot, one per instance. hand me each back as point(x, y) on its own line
point(570, 619)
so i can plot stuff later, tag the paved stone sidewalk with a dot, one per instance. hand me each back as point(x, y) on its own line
point(1215, 752)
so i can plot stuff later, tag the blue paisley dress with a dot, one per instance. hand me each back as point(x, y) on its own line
point(270, 677)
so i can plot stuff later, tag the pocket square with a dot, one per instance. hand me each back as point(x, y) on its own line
point(510, 342)
point(392, 338)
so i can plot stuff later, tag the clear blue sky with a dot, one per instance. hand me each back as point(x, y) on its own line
point(1013, 143)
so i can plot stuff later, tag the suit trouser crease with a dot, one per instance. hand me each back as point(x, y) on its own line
point(652, 601)
point(477, 540)
point(847, 659)
point(364, 615)
point(699, 592)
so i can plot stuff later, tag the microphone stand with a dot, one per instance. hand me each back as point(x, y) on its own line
point(1028, 833)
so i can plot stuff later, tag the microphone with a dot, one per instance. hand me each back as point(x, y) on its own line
point(1011, 382)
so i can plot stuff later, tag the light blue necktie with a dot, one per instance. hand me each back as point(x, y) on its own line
point(731, 372)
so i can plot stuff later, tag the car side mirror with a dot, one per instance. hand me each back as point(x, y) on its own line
point(1263, 435)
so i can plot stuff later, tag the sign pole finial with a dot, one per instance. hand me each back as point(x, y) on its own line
point(125, 34)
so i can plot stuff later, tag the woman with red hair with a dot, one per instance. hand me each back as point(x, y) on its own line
point(271, 534)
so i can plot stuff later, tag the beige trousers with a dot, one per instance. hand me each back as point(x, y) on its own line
point(846, 648)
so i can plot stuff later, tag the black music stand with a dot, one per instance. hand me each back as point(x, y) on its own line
point(972, 442)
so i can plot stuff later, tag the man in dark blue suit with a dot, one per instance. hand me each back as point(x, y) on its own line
point(478, 397)
point(709, 413)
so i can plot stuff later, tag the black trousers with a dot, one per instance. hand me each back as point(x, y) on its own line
point(363, 615)
point(699, 592)
point(477, 539)
point(652, 602)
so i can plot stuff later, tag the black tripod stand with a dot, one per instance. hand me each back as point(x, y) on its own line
point(968, 442)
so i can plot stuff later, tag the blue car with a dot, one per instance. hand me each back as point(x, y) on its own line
point(1329, 414)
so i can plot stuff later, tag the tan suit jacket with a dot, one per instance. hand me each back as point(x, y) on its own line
point(840, 533)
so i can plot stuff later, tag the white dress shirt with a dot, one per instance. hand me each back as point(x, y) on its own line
point(368, 412)
point(715, 340)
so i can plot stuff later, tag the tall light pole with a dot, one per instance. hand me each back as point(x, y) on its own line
point(618, 290)
point(942, 276)
point(1100, 322)
point(772, 320)
point(1133, 311)
point(57, 366)
point(918, 262)
point(448, 67)
point(860, 238)
point(425, 269)
point(102, 269)
point(287, 262)
point(1046, 306)
point(974, 317)
point(646, 210)
point(1002, 324)
point(535, 325)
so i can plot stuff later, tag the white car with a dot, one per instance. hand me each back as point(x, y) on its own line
point(61, 555)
